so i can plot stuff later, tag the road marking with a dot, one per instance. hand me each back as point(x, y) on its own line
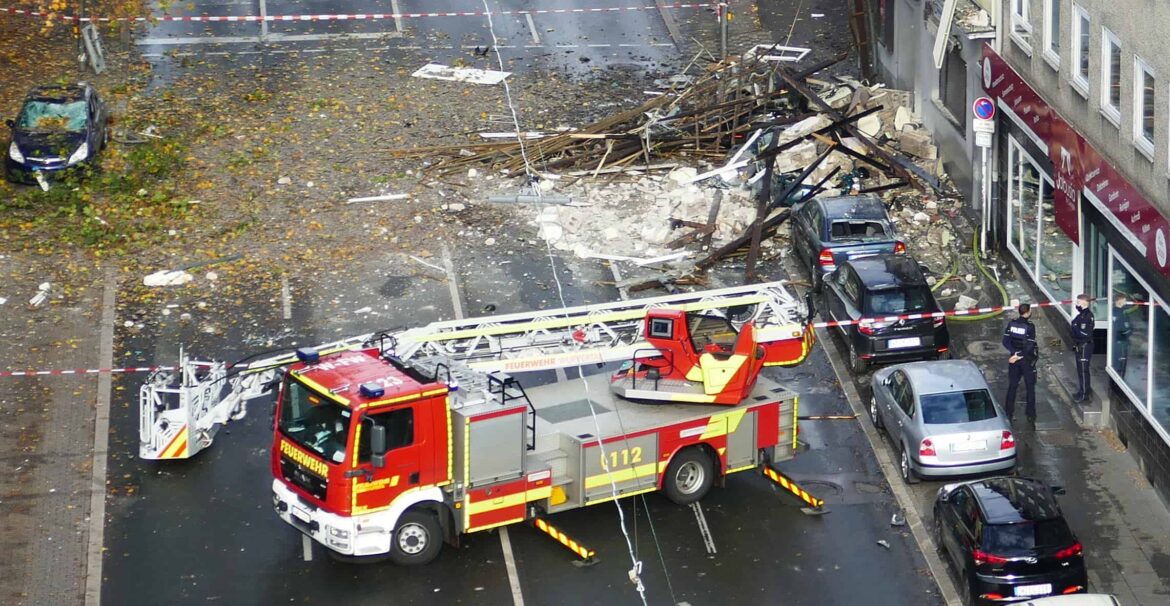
point(269, 39)
point(285, 298)
point(397, 15)
point(306, 548)
point(510, 564)
point(101, 443)
point(532, 28)
point(264, 23)
point(452, 283)
point(671, 26)
point(704, 530)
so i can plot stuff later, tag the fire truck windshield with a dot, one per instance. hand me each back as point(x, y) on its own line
point(314, 422)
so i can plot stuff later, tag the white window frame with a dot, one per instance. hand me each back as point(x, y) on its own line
point(1020, 20)
point(1109, 39)
point(1155, 303)
point(1051, 52)
point(1080, 83)
point(1140, 69)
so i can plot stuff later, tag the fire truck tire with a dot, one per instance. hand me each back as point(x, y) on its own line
point(688, 477)
point(417, 539)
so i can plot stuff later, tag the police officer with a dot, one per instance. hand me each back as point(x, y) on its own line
point(1082, 334)
point(1122, 329)
point(1019, 338)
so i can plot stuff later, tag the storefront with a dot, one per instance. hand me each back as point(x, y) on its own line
point(1075, 225)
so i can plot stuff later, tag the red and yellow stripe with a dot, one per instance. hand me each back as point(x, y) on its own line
point(177, 448)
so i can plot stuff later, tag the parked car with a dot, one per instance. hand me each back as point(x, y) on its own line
point(829, 231)
point(59, 127)
point(1008, 540)
point(942, 418)
point(866, 288)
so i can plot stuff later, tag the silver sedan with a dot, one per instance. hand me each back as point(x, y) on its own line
point(942, 418)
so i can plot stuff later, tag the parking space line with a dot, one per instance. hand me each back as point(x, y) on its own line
point(264, 23)
point(285, 298)
point(397, 15)
point(510, 564)
point(101, 443)
point(704, 530)
point(269, 39)
point(532, 28)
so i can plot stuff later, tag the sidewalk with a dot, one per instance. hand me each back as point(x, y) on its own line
point(1123, 525)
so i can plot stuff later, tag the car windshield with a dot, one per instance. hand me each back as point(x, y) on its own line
point(53, 115)
point(314, 422)
point(957, 407)
point(843, 231)
point(905, 300)
point(1026, 536)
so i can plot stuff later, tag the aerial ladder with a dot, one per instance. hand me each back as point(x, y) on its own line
point(701, 347)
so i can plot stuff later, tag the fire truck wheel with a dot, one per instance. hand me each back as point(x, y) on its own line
point(417, 539)
point(688, 477)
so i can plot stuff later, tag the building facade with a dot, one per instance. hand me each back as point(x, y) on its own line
point(1080, 192)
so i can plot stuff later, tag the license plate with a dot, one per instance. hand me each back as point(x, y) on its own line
point(1034, 590)
point(300, 514)
point(968, 446)
point(903, 343)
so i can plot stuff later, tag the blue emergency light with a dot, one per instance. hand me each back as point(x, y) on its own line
point(308, 355)
point(372, 390)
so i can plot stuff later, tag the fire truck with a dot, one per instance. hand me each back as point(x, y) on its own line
point(392, 444)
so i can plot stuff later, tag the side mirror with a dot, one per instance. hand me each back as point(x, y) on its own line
point(378, 446)
point(10, 123)
point(944, 497)
point(1059, 491)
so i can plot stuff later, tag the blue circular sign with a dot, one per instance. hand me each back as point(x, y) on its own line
point(983, 108)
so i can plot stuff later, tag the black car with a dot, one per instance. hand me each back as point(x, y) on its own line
point(865, 293)
point(1008, 540)
point(829, 231)
point(59, 127)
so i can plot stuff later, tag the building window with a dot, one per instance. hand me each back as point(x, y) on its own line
point(1128, 353)
point(1160, 369)
point(884, 24)
point(1021, 25)
point(1110, 76)
point(1143, 107)
point(952, 83)
point(1080, 40)
point(1052, 32)
point(1040, 245)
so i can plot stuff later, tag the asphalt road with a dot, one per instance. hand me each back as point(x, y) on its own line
point(202, 531)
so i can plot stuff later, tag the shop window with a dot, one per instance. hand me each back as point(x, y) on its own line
point(1080, 40)
point(1056, 251)
point(1160, 393)
point(952, 83)
point(1021, 26)
point(1110, 76)
point(1023, 205)
point(1052, 31)
point(1129, 355)
point(1143, 106)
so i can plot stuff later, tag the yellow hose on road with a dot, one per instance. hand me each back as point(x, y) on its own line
point(982, 269)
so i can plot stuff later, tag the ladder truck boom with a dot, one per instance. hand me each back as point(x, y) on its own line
point(182, 410)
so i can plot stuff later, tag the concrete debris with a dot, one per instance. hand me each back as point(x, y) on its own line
point(167, 277)
point(920, 217)
point(885, 544)
point(42, 295)
point(965, 302)
point(918, 144)
point(897, 520)
point(436, 71)
point(871, 125)
point(284, 180)
point(902, 118)
point(383, 198)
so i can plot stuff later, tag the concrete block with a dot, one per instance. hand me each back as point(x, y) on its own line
point(918, 144)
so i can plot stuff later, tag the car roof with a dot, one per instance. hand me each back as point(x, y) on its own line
point(867, 207)
point(942, 376)
point(59, 92)
point(887, 270)
point(1007, 500)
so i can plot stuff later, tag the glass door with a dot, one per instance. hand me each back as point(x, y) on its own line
point(1097, 272)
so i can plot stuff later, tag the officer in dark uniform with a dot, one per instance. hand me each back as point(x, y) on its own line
point(1122, 329)
point(1019, 338)
point(1082, 334)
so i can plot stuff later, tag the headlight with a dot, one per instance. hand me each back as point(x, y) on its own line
point(338, 532)
point(14, 153)
point(79, 155)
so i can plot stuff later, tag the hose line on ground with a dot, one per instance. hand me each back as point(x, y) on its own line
point(982, 269)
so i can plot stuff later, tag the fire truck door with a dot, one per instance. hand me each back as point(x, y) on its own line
point(401, 466)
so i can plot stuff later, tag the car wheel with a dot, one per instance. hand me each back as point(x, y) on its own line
point(417, 539)
point(856, 363)
point(905, 468)
point(688, 477)
point(874, 415)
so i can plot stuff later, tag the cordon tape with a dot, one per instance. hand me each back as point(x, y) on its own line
point(346, 17)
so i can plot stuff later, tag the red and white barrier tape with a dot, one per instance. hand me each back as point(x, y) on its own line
point(80, 371)
point(974, 311)
point(347, 17)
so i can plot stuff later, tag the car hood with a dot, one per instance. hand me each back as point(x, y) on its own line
point(40, 144)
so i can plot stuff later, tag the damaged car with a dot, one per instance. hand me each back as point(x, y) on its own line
point(59, 128)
